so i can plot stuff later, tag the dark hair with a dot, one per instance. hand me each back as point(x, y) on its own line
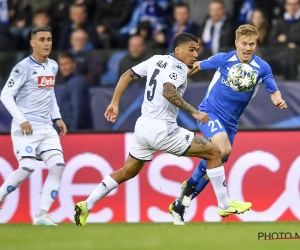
point(219, 1)
point(181, 4)
point(39, 29)
point(41, 11)
point(66, 54)
point(183, 38)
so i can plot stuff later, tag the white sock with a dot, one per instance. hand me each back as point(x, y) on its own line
point(100, 191)
point(217, 178)
point(13, 181)
point(50, 188)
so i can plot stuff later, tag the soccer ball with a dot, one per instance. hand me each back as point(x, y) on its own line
point(241, 77)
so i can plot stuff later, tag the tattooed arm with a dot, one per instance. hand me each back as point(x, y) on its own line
point(112, 110)
point(172, 95)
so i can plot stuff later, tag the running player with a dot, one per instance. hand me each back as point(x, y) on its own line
point(157, 129)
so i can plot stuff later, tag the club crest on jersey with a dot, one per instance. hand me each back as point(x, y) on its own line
point(46, 81)
point(53, 70)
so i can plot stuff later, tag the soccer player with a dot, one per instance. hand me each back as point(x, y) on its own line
point(157, 129)
point(225, 106)
point(29, 97)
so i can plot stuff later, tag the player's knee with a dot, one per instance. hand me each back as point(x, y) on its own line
point(225, 152)
point(28, 165)
point(55, 164)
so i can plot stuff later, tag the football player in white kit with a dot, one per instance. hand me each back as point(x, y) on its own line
point(157, 129)
point(29, 97)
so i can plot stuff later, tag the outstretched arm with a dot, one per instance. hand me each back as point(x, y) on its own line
point(172, 95)
point(277, 100)
point(196, 68)
point(112, 110)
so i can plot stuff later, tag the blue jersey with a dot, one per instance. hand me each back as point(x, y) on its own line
point(224, 101)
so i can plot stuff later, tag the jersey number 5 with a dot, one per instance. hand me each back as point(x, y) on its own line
point(150, 94)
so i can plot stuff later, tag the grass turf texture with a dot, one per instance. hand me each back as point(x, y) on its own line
point(118, 236)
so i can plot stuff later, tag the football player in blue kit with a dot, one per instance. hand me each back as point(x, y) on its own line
point(225, 106)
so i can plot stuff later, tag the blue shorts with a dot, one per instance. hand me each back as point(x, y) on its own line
point(214, 126)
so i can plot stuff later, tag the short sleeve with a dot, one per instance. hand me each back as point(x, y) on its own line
point(176, 75)
point(213, 62)
point(268, 80)
point(141, 69)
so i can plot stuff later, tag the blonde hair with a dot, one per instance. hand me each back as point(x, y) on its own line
point(246, 30)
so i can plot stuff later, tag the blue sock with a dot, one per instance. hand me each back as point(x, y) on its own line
point(199, 172)
point(178, 205)
point(200, 186)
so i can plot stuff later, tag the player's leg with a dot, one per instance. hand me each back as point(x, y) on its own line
point(215, 172)
point(14, 180)
point(131, 169)
point(140, 152)
point(24, 149)
point(220, 139)
point(50, 151)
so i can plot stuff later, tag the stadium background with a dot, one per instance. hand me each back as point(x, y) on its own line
point(263, 168)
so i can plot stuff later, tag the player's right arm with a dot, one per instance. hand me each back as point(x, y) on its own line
point(211, 63)
point(172, 95)
point(15, 81)
point(112, 110)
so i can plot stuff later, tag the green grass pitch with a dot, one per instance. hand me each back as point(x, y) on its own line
point(118, 236)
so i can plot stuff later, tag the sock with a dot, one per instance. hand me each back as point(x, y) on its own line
point(200, 186)
point(178, 205)
point(100, 191)
point(198, 172)
point(13, 181)
point(51, 187)
point(217, 178)
point(192, 182)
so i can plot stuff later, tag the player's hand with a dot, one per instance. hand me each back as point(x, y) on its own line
point(26, 128)
point(201, 116)
point(62, 127)
point(280, 104)
point(111, 113)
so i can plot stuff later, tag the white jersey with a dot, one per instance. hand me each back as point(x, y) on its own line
point(160, 69)
point(29, 93)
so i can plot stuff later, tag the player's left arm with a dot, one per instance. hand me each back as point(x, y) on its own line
point(56, 117)
point(271, 86)
point(277, 100)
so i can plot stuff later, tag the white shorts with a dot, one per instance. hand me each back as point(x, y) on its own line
point(151, 135)
point(31, 146)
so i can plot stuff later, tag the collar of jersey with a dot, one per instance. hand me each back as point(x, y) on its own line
point(35, 61)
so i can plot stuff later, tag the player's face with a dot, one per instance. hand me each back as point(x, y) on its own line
point(187, 52)
point(245, 47)
point(42, 44)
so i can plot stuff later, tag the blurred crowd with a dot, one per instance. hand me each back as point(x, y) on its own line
point(136, 29)
point(95, 41)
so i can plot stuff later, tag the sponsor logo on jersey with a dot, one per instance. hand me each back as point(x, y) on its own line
point(10, 83)
point(46, 81)
point(225, 82)
point(173, 76)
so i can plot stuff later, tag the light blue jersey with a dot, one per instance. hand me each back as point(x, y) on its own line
point(226, 103)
